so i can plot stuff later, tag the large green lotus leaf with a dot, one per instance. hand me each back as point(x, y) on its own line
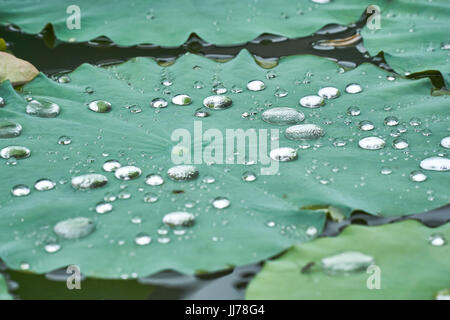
point(345, 177)
point(171, 22)
point(414, 35)
point(4, 295)
point(409, 266)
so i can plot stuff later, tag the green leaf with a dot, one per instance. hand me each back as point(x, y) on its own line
point(414, 34)
point(4, 295)
point(16, 70)
point(345, 177)
point(410, 267)
point(169, 23)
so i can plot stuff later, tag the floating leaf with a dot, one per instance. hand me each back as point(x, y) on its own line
point(236, 220)
point(409, 265)
point(16, 70)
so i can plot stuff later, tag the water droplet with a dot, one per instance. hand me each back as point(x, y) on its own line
point(142, 239)
point(9, 129)
point(386, 170)
point(75, 228)
point(321, 1)
point(248, 176)
point(127, 173)
point(282, 115)
point(236, 89)
point(89, 181)
point(312, 101)
point(221, 203)
point(347, 262)
point(400, 144)
point(339, 142)
point(415, 122)
point(435, 164)
point(199, 113)
point(44, 185)
point(443, 294)
point(100, 106)
point(391, 121)
point(159, 103)
point(64, 79)
point(103, 207)
point(390, 78)
point(182, 172)
point(182, 100)
point(417, 176)
point(353, 88)
point(329, 93)
point(154, 180)
point(311, 231)
point(52, 247)
point(437, 240)
point(217, 102)
point(42, 108)
point(256, 85)
point(178, 219)
point(89, 90)
point(281, 93)
point(209, 179)
point(24, 266)
point(2, 102)
point(445, 142)
point(150, 197)
point(283, 154)
point(371, 143)
point(17, 152)
point(64, 140)
point(20, 190)
point(198, 85)
point(219, 89)
point(304, 131)
point(366, 125)
point(111, 165)
point(271, 75)
point(353, 111)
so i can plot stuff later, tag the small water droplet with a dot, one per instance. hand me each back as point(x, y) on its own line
point(280, 93)
point(100, 106)
point(219, 89)
point(142, 239)
point(391, 121)
point(248, 176)
point(52, 247)
point(150, 197)
point(415, 122)
point(154, 180)
point(89, 181)
point(64, 140)
point(353, 111)
point(437, 240)
point(386, 170)
point(20, 190)
point(221, 203)
point(182, 172)
point(159, 103)
point(256, 85)
point(353, 88)
point(111, 165)
point(178, 219)
point(400, 144)
point(17, 152)
point(312, 101)
point(445, 142)
point(9, 129)
point(209, 179)
point(217, 102)
point(371, 143)
point(64, 79)
point(282, 115)
point(44, 185)
point(199, 113)
point(42, 108)
point(435, 164)
point(329, 93)
point(283, 154)
point(417, 176)
point(366, 125)
point(182, 100)
point(75, 228)
point(347, 262)
point(304, 131)
point(103, 207)
point(127, 173)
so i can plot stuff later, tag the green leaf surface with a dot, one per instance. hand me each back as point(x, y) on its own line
point(414, 35)
point(4, 295)
point(170, 22)
point(324, 175)
point(410, 267)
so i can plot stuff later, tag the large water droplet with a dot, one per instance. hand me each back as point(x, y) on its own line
point(182, 172)
point(353, 88)
point(304, 131)
point(75, 228)
point(42, 108)
point(111, 165)
point(100, 106)
point(179, 219)
point(435, 164)
point(312, 101)
point(347, 262)
point(283, 154)
point(445, 142)
point(282, 115)
point(142, 239)
point(417, 176)
point(89, 181)
point(44, 185)
point(217, 102)
point(329, 93)
point(17, 152)
point(127, 173)
point(371, 143)
point(182, 100)
point(159, 103)
point(154, 180)
point(20, 190)
point(256, 85)
point(9, 129)
point(221, 203)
